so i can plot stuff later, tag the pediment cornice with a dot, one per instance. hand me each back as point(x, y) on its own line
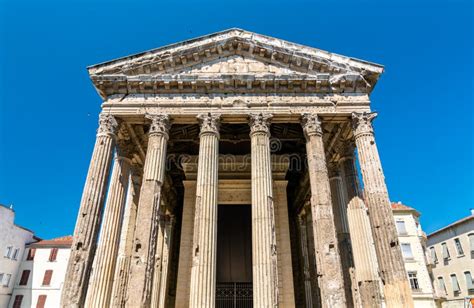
point(298, 68)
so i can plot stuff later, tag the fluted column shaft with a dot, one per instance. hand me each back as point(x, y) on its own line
point(157, 273)
point(339, 201)
point(89, 217)
point(146, 230)
point(168, 234)
point(306, 266)
point(119, 289)
point(315, 288)
point(363, 250)
point(103, 269)
point(203, 272)
point(396, 289)
point(186, 245)
point(264, 250)
point(326, 248)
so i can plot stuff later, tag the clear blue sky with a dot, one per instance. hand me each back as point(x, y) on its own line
point(49, 109)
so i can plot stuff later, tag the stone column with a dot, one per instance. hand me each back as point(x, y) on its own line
point(313, 271)
point(89, 217)
point(144, 244)
point(119, 289)
point(264, 250)
point(168, 236)
point(103, 269)
point(185, 245)
point(203, 272)
point(363, 251)
point(285, 270)
point(392, 271)
point(157, 273)
point(327, 253)
point(308, 292)
point(339, 201)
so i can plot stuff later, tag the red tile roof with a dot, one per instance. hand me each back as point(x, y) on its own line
point(64, 241)
point(398, 206)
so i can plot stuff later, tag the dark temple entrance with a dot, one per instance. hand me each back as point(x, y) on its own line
point(234, 257)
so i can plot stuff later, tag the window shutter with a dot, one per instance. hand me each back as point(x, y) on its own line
point(17, 302)
point(469, 283)
point(47, 277)
point(406, 251)
point(41, 301)
point(8, 251)
point(454, 282)
point(6, 283)
point(434, 258)
point(445, 251)
point(471, 241)
point(401, 227)
point(24, 277)
point(441, 284)
point(53, 254)
point(31, 254)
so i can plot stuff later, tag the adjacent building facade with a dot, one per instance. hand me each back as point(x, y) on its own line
point(413, 244)
point(452, 252)
point(41, 274)
point(224, 174)
point(13, 239)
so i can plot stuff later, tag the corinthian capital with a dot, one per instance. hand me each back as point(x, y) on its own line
point(107, 125)
point(209, 123)
point(160, 124)
point(260, 123)
point(311, 125)
point(362, 123)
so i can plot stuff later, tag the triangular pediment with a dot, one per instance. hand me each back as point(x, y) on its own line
point(231, 59)
point(236, 64)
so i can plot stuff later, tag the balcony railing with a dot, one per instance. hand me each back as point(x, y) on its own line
point(234, 295)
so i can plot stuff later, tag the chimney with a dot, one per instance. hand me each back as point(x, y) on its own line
point(472, 212)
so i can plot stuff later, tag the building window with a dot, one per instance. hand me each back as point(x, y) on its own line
point(446, 255)
point(53, 254)
point(47, 277)
point(406, 251)
point(41, 301)
point(471, 244)
point(458, 245)
point(6, 280)
point(15, 254)
point(413, 281)
point(8, 252)
point(24, 277)
point(31, 254)
point(442, 286)
point(17, 302)
point(401, 228)
point(434, 257)
point(469, 282)
point(455, 283)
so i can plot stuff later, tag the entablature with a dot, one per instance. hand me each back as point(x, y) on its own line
point(235, 108)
